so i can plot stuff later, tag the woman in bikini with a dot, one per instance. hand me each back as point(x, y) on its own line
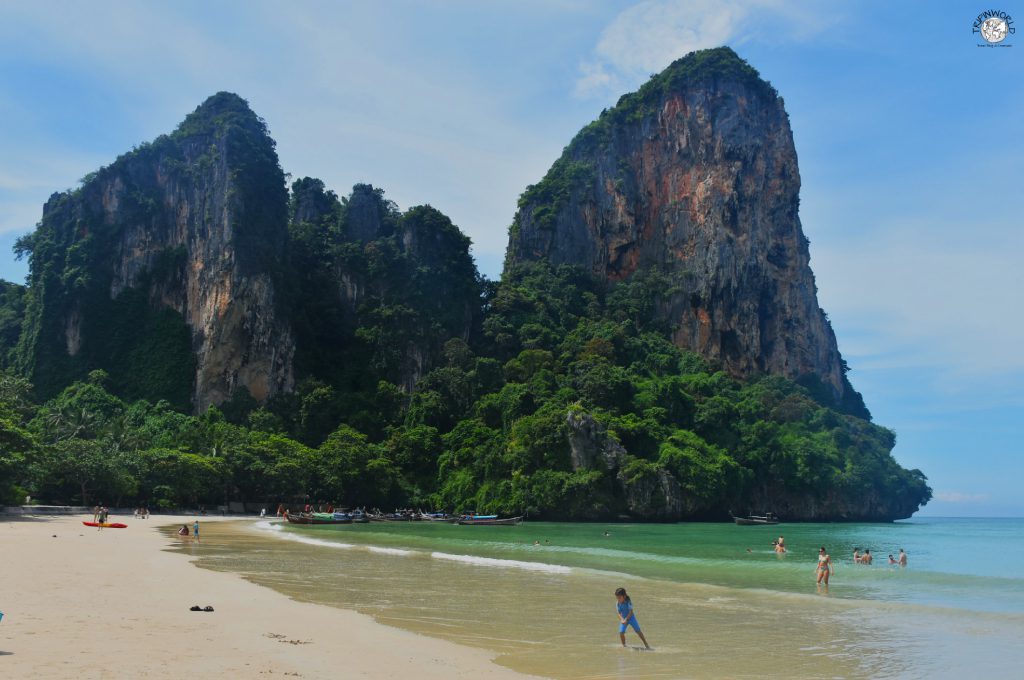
point(824, 566)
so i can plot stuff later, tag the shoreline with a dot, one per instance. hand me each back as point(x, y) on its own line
point(84, 603)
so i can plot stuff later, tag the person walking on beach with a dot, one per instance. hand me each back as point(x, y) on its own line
point(902, 559)
point(824, 566)
point(627, 617)
point(195, 531)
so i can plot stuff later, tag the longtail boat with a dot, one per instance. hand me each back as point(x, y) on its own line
point(319, 518)
point(756, 520)
point(488, 520)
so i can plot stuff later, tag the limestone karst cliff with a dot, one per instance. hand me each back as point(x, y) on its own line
point(695, 175)
point(161, 267)
point(357, 355)
point(378, 292)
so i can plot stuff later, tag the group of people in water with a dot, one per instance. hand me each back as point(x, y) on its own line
point(825, 569)
point(867, 558)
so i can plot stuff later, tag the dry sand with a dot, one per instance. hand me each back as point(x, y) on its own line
point(82, 603)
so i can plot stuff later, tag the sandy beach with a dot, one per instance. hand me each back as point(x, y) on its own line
point(83, 603)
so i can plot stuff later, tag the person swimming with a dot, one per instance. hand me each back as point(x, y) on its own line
point(627, 617)
point(825, 567)
point(892, 560)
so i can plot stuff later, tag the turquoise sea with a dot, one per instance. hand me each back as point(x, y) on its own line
point(540, 594)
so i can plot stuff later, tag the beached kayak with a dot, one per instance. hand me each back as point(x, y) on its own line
point(106, 525)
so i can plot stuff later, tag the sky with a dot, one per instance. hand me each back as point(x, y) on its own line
point(908, 135)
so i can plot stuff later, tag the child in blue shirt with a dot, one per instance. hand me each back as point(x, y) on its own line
point(627, 617)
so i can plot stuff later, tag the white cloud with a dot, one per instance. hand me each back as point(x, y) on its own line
point(929, 299)
point(30, 176)
point(960, 497)
point(347, 94)
point(650, 35)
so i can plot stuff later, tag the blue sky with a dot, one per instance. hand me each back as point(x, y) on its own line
point(908, 135)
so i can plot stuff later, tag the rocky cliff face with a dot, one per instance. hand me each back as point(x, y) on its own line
point(388, 288)
point(654, 496)
point(187, 230)
point(695, 175)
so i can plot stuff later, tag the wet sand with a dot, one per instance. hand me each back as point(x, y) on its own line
point(108, 604)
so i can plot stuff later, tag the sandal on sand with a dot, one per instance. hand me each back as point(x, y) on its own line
point(207, 608)
point(195, 608)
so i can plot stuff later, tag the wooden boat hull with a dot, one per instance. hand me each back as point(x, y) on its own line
point(504, 522)
point(302, 518)
point(751, 521)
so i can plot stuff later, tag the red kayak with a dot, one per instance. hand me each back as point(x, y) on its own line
point(106, 525)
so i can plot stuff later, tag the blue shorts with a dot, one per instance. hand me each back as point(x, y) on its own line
point(632, 622)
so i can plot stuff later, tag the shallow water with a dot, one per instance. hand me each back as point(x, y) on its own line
point(710, 608)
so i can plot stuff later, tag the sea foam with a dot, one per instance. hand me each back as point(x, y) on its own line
point(277, 530)
point(388, 551)
point(508, 564)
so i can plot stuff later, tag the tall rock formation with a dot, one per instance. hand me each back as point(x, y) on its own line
point(380, 291)
point(163, 268)
point(696, 175)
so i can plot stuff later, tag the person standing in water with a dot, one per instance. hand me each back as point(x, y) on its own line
point(902, 559)
point(627, 617)
point(195, 531)
point(824, 566)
